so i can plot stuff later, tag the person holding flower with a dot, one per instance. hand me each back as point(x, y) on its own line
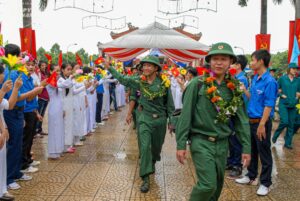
point(209, 103)
point(155, 106)
point(15, 118)
point(31, 115)
point(234, 162)
point(4, 135)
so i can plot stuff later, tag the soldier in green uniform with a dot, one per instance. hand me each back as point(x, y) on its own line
point(209, 136)
point(155, 107)
point(134, 95)
point(289, 87)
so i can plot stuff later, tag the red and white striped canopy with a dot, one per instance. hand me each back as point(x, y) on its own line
point(170, 42)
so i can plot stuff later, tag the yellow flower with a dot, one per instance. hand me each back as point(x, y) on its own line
point(80, 79)
point(164, 77)
point(167, 83)
point(22, 69)
point(11, 61)
point(298, 107)
point(103, 73)
point(183, 72)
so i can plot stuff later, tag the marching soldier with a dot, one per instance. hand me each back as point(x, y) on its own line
point(155, 107)
point(201, 122)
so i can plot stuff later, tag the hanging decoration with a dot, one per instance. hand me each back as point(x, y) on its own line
point(181, 6)
point(103, 22)
point(185, 20)
point(92, 6)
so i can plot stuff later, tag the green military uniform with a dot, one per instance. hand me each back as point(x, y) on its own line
point(287, 107)
point(152, 119)
point(297, 122)
point(209, 140)
point(133, 96)
point(135, 113)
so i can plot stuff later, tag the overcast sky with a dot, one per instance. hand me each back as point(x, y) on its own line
point(231, 23)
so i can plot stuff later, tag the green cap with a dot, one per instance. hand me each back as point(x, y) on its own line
point(152, 60)
point(272, 69)
point(293, 65)
point(220, 48)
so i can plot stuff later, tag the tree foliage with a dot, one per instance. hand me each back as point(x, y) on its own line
point(69, 57)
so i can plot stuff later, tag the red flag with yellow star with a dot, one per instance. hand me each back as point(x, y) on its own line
point(28, 44)
point(60, 59)
point(49, 57)
point(78, 60)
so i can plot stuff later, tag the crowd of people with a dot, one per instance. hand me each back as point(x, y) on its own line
point(220, 112)
point(78, 101)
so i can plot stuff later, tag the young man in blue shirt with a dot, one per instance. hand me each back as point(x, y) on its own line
point(100, 91)
point(262, 99)
point(234, 161)
point(31, 115)
point(14, 120)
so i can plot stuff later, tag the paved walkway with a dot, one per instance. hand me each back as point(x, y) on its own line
point(106, 169)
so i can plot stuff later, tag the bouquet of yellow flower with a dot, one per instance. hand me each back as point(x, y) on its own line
point(13, 63)
point(298, 107)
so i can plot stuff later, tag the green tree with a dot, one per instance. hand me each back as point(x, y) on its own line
point(279, 60)
point(41, 54)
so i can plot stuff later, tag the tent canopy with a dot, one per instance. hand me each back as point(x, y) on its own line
point(169, 41)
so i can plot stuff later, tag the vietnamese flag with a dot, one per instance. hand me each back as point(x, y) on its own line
point(28, 43)
point(60, 59)
point(78, 60)
point(49, 57)
point(263, 41)
point(52, 80)
point(99, 60)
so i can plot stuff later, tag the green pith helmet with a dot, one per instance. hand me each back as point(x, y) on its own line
point(152, 60)
point(273, 69)
point(220, 48)
point(293, 65)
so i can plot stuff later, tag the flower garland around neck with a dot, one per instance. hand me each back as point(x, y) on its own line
point(148, 93)
point(225, 109)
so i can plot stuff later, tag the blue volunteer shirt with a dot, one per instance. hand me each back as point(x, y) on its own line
point(13, 76)
point(263, 94)
point(28, 85)
point(99, 89)
point(243, 79)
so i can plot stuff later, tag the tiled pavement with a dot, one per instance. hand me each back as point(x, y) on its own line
point(98, 171)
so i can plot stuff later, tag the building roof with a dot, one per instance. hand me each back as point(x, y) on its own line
point(131, 28)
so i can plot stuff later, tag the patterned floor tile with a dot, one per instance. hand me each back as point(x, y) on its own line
point(106, 169)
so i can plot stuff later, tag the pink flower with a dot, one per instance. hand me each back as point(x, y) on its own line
point(78, 71)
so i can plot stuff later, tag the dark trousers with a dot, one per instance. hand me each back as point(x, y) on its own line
point(235, 151)
point(99, 107)
point(28, 134)
point(42, 109)
point(261, 149)
point(15, 121)
point(113, 98)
